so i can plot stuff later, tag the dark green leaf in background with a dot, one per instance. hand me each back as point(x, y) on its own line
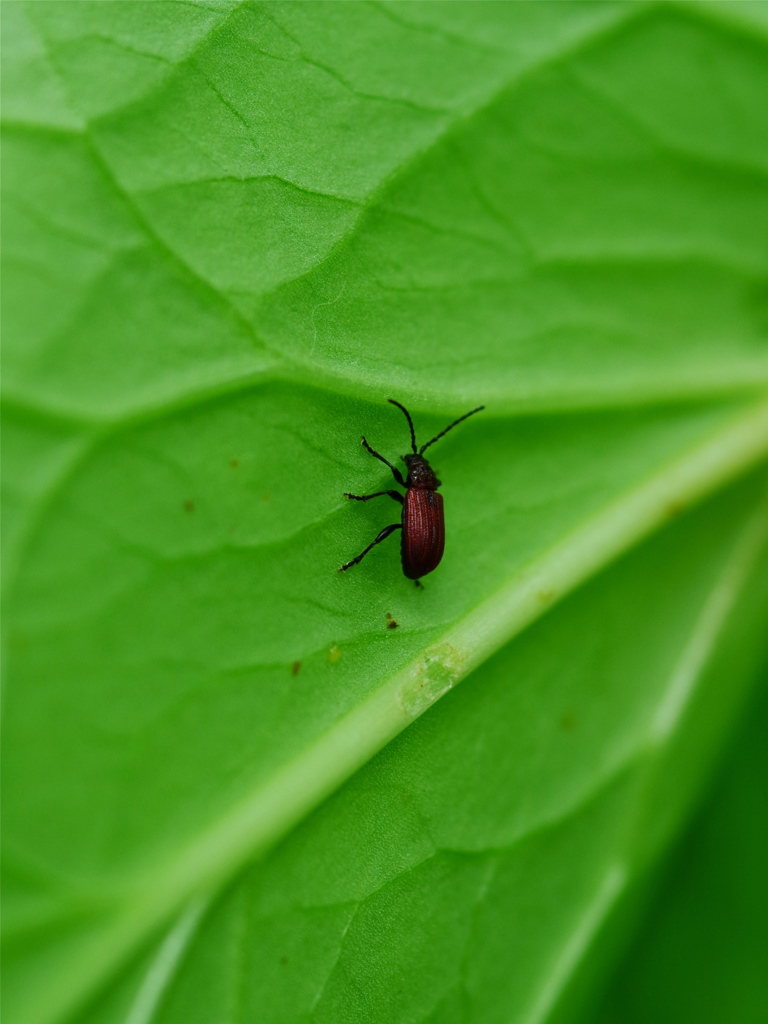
point(231, 231)
point(701, 957)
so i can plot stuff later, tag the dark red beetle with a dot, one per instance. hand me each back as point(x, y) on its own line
point(423, 525)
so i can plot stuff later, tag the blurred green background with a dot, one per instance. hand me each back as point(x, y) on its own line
point(703, 941)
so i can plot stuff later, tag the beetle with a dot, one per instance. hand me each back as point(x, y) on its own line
point(422, 539)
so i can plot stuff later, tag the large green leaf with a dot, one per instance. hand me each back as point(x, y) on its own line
point(231, 231)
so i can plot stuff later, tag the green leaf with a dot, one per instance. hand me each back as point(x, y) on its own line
point(231, 231)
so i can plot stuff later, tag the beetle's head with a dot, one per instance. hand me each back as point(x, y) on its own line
point(420, 473)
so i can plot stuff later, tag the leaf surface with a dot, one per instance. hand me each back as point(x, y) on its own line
point(233, 230)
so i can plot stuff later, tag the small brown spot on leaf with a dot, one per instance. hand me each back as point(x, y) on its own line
point(234, 463)
point(295, 668)
point(266, 497)
point(391, 622)
point(189, 505)
point(283, 960)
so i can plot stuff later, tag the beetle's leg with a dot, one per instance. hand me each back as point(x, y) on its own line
point(382, 536)
point(419, 584)
point(397, 474)
point(367, 497)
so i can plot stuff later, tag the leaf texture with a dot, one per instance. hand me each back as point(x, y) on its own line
point(231, 231)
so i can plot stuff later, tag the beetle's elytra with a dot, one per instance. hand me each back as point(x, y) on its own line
point(422, 539)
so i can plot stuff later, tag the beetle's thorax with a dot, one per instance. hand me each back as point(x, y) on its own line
point(420, 473)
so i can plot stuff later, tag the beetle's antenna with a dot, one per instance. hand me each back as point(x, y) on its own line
point(410, 423)
point(450, 427)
